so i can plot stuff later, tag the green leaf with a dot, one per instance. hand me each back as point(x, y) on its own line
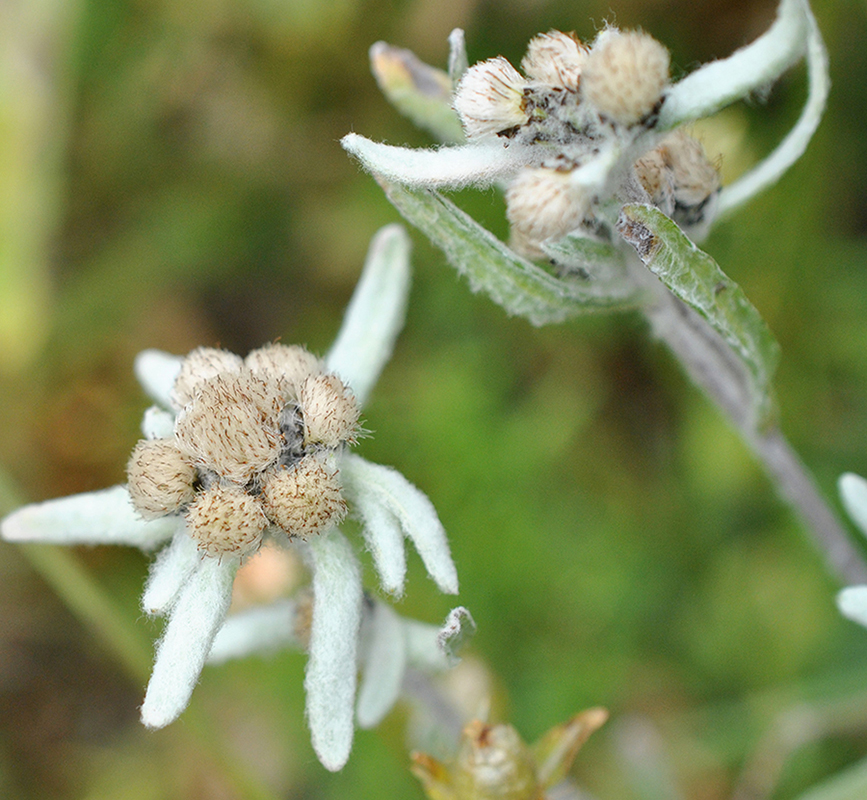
point(694, 277)
point(518, 285)
point(418, 91)
point(599, 259)
point(850, 784)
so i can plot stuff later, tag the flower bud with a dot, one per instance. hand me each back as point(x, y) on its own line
point(493, 763)
point(303, 499)
point(695, 177)
point(226, 520)
point(555, 59)
point(543, 204)
point(330, 411)
point(290, 362)
point(624, 75)
point(657, 179)
point(490, 99)
point(232, 426)
point(200, 366)
point(159, 479)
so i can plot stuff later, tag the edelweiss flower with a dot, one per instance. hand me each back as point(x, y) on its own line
point(602, 121)
point(240, 451)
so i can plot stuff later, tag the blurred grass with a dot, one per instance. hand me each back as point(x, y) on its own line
point(171, 177)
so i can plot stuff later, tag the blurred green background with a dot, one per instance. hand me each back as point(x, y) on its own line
point(170, 176)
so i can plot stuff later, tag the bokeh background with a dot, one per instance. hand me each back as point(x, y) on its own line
point(170, 176)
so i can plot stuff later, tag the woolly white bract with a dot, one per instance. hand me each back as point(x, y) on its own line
point(852, 601)
point(194, 590)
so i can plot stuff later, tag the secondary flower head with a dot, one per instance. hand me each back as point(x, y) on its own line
point(588, 129)
point(239, 452)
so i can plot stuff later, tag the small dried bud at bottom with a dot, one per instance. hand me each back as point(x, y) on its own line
point(542, 204)
point(330, 411)
point(226, 520)
point(159, 479)
point(490, 99)
point(624, 75)
point(232, 427)
point(555, 59)
point(290, 362)
point(200, 366)
point(303, 499)
point(493, 762)
point(657, 179)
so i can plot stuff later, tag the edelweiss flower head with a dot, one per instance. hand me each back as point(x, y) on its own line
point(555, 59)
point(624, 75)
point(490, 99)
point(243, 451)
point(250, 449)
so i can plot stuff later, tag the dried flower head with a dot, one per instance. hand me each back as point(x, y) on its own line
point(624, 75)
point(542, 204)
point(159, 478)
point(694, 176)
point(303, 499)
point(490, 99)
point(199, 367)
point(232, 426)
point(291, 363)
point(555, 59)
point(329, 410)
point(225, 520)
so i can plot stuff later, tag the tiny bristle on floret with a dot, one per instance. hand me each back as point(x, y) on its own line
point(232, 427)
point(226, 520)
point(159, 479)
point(542, 204)
point(624, 75)
point(330, 411)
point(555, 59)
point(200, 366)
point(303, 499)
point(490, 99)
point(290, 362)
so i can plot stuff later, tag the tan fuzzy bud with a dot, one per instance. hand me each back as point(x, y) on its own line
point(542, 204)
point(555, 59)
point(490, 98)
point(199, 367)
point(292, 363)
point(232, 426)
point(226, 520)
point(624, 75)
point(303, 499)
point(695, 177)
point(657, 179)
point(159, 479)
point(493, 763)
point(330, 411)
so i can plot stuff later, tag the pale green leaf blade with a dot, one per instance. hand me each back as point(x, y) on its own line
point(519, 286)
point(850, 784)
point(418, 91)
point(694, 277)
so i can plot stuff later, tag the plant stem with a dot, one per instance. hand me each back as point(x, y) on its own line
point(712, 365)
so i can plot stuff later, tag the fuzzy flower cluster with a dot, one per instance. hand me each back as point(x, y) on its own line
point(253, 448)
point(583, 129)
point(572, 102)
point(240, 452)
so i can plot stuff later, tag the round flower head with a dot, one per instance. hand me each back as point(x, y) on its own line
point(695, 177)
point(329, 410)
point(225, 520)
point(555, 59)
point(159, 479)
point(490, 99)
point(656, 178)
point(232, 426)
point(292, 363)
point(542, 204)
point(303, 499)
point(624, 75)
point(199, 367)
